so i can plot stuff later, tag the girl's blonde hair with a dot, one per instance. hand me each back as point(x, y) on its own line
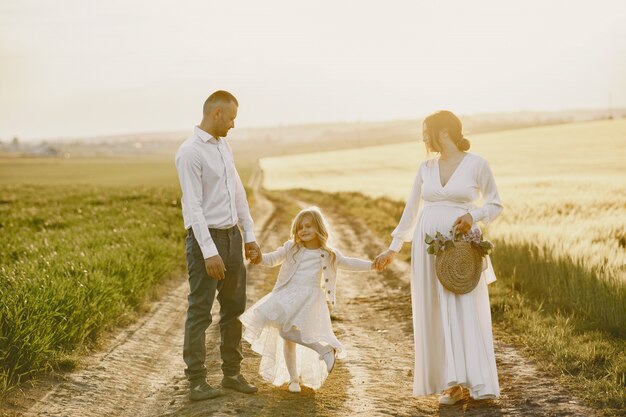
point(321, 229)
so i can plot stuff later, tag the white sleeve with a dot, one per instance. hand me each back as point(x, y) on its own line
point(406, 227)
point(189, 170)
point(491, 207)
point(352, 264)
point(241, 205)
point(243, 211)
point(278, 256)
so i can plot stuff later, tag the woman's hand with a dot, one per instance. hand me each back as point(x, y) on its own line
point(384, 259)
point(463, 224)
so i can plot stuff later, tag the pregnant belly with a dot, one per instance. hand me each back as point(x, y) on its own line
point(437, 219)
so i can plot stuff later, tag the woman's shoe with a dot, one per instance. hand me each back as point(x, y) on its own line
point(329, 358)
point(451, 396)
point(294, 386)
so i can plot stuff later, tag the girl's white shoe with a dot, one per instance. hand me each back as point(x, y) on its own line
point(329, 358)
point(294, 386)
point(451, 396)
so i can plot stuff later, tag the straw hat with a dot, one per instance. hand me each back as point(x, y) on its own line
point(459, 267)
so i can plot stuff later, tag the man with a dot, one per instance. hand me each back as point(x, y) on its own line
point(214, 202)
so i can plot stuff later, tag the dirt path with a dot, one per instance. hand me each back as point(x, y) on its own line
point(140, 372)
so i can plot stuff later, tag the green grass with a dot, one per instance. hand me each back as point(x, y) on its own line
point(590, 362)
point(76, 261)
point(570, 317)
point(85, 243)
point(565, 286)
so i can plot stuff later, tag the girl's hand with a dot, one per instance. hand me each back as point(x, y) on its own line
point(464, 223)
point(384, 259)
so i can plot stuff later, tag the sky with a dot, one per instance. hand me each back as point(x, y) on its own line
point(77, 68)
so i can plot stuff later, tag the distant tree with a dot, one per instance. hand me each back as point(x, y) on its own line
point(16, 142)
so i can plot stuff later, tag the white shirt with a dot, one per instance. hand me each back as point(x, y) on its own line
point(213, 195)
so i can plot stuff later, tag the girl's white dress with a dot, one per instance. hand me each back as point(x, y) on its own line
point(452, 333)
point(301, 303)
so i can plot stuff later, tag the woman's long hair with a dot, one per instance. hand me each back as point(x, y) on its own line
point(321, 229)
point(444, 119)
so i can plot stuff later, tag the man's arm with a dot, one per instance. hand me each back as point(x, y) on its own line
point(189, 170)
point(245, 221)
point(243, 210)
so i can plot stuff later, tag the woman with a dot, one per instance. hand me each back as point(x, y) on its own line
point(453, 338)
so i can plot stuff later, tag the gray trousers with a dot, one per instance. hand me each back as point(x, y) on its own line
point(231, 296)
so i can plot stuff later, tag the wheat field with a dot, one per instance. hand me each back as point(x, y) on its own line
point(563, 186)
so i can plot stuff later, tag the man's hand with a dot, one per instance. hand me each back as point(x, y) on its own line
point(384, 259)
point(215, 267)
point(253, 252)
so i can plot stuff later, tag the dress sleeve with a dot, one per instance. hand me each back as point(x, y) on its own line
point(406, 227)
point(352, 264)
point(278, 256)
point(491, 207)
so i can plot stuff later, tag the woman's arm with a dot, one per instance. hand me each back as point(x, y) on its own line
point(492, 207)
point(406, 227)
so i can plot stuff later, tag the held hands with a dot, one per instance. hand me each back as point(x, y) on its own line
point(384, 259)
point(463, 224)
point(215, 266)
point(253, 253)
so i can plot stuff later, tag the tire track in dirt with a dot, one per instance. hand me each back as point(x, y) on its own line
point(124, 378)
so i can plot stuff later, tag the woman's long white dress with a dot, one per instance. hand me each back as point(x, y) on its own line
point(453, 337)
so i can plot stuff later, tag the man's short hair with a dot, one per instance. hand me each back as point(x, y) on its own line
point(217, 98)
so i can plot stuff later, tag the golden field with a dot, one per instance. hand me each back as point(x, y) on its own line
point(562, 185)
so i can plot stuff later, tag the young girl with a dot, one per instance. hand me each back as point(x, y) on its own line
point(290, 327)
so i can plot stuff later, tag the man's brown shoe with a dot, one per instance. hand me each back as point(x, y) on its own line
point(238, 383)
point(203, 391)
